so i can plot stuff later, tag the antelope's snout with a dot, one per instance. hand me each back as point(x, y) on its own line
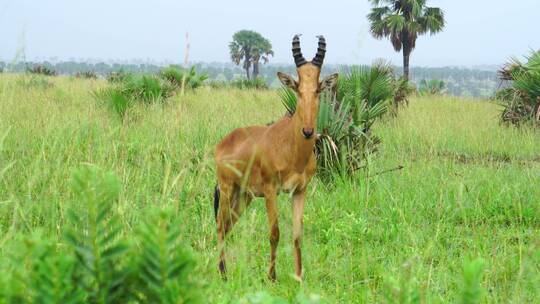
point(308, 132)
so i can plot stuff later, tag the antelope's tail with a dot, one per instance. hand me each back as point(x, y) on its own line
point(216, 201)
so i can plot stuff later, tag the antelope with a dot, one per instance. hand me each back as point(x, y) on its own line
point(261, 161)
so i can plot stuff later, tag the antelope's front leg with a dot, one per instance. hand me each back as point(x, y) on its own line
point(298, 212)
point(272, 212)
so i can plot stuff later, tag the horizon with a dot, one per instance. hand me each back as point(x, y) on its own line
point(104, 31)
point(139, 61)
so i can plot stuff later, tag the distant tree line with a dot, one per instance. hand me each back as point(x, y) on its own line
point(458, 81)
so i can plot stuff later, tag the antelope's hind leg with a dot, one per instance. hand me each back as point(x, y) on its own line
point(224, 220)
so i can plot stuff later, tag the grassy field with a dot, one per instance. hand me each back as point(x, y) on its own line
point(461, 219)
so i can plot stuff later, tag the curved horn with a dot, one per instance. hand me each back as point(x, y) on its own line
point(299, 59)
point(319, 57)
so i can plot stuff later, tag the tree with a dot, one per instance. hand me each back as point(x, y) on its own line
point(250, 47)
point(402, 21)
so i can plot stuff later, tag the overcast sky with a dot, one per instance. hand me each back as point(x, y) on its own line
point(477, 31)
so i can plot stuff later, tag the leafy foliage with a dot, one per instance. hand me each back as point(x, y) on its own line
point(52, 273)
point(115, 100)
point(118, 76)
point(471, 289)
point(147, 88)
point(128, 89)
point(345, 120)
point(178, 77)
point(34, 81)
point(164, 266)
point(431, 87)
point(256, 83)
point(86, 74)
point(266, 298)
point(94, 235)
point(96, 264)
point(41, 70)
point(521, 99)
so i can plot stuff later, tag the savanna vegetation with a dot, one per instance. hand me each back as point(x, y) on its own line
point(107, 177)
point(98, 209)
point(465, 82)
point(521, 99)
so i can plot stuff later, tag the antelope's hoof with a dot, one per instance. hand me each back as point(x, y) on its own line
point(223, 270)
point(272, 275)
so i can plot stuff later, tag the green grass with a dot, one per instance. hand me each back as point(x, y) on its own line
point(459, 223)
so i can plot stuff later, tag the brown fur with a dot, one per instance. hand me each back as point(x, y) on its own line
point(264, 160)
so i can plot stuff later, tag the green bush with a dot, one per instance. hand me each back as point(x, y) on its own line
point(146, 88)
point(431, 87)
point(258, 83)
point(472, 291)
point(86, 75)
point(218, 84)
point(34, 81)
point(521, 99)
point(266, 298)
point(129, 89)
point(118, 76)
point(345, 119)
point(41, 70)
point(96, 263)
point(115, 99)
point(178, 76)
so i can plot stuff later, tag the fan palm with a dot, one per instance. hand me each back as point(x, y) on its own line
point(248, 48)
point(521, 100)
point(432, 87)
point(402, 21)
point(345, 119)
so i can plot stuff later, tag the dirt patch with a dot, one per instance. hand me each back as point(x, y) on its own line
point(488, 157)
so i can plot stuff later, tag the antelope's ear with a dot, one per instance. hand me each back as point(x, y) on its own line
point(287, 81)
point(329, 82)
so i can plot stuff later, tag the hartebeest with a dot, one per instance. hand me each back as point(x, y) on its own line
point(261, 161)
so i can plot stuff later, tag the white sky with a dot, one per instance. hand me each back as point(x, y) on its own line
point(477, 32)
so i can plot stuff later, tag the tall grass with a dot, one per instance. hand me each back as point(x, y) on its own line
point(467, 192)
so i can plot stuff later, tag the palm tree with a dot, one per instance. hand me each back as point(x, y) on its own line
point(262, 51)
point(250, 47)
point(403, 21)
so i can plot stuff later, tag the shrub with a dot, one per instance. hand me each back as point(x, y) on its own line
point(132, 89)
point(41, 70)
point(146, 88)
point(86, 74)
point(115, 99)
point(431, 87)
point(34, 81)
point(258, 83)
point(218, 84)
point(472, 291)
point(95, 262)
point(345, 119)
point(178, 76)
point(402, 90)
point(521, 99)
point(266, 298)
point(118, 76)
